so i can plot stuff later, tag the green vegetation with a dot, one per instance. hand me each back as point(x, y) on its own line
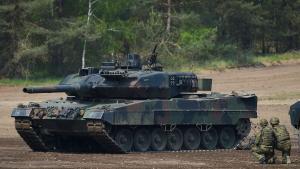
point(278, 58)
point(38, 79)
point(47, 36)
point(29, 82)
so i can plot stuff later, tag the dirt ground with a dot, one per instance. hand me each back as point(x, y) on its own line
point(277, 88)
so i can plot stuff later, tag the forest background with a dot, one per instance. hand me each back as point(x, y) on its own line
point(40, 38)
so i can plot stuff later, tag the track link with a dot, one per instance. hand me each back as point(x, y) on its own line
point(28, 134)
point(98, 132)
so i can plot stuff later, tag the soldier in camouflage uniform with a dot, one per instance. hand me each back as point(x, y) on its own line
point(263, 148)
point(283, 141)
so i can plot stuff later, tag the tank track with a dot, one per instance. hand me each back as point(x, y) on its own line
point(30, 136)
point(98, 132)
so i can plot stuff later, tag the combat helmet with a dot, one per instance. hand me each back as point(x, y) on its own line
point(274, 121)
point(263, 122)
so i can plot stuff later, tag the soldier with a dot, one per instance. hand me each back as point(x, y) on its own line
point(283, 141)
point(263, 148)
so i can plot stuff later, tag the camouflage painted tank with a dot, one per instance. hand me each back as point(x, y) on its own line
point(118, 109)
point(295, 114)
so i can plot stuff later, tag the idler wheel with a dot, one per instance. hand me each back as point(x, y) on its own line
point(210, 139)
point(175, 140)
point(192, 138)
point(227, 137)
point(124, 139)
point(243, 127)
point(158, 140)
point(142, 140)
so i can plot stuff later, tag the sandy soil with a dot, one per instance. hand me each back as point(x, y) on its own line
point(277, 88)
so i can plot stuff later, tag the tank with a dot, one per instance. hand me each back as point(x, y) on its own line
point(295, 114)
point(120, 108)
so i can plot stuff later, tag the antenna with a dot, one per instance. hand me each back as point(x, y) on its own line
point(127, 49)
point(90, 13)
point(192, 68)
point(127, 62)
point(192, 65)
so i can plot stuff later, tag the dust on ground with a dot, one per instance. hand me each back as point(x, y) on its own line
point(277, 88)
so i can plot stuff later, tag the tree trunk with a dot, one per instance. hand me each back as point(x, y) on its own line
point(263, 44)
point(169, 16)
point(87, 27)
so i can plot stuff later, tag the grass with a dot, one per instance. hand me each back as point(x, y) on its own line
point(246, 61)
point(278, 58)
point(29, 82)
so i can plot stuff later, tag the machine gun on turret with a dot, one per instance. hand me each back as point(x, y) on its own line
point(152, 60)
point(153, 57)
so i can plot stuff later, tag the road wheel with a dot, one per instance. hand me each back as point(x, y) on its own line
point(209, 139)
point(142, 140)
point(124, 139)
point(158, 140)
point(191, 138)
point(175, 140)
point(227, 137)
point(243, 127)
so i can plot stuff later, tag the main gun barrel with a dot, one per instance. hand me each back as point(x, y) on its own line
point(50, 89)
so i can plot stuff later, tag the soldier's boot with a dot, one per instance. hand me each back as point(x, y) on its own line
point(262, 160)
point(272, 160)
point(284, 160)
point(288, 160)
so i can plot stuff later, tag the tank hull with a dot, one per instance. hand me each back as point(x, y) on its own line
point(120, 126)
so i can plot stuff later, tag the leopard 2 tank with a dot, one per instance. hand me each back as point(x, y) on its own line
point(123, 108)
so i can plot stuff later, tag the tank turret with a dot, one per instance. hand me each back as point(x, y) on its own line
point(127, 80)
point(123, 82)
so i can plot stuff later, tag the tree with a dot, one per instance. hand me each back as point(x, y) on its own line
point(239, 22)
